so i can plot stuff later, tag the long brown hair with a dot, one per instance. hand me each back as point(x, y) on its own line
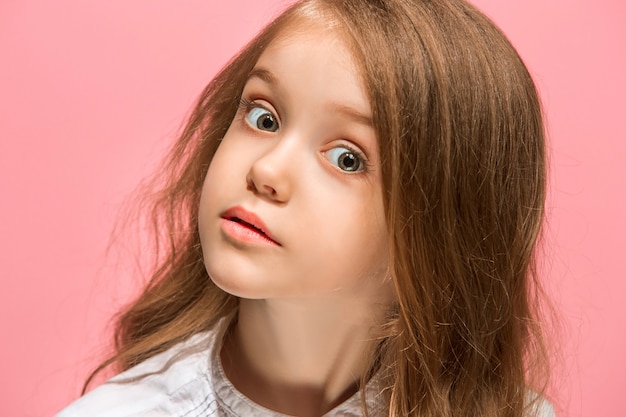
point(461, 139)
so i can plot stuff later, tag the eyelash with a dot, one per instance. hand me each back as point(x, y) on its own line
point(247, 106)
point(362, 159)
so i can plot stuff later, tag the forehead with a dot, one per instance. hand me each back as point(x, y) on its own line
point(313, 56)
point(328, 34)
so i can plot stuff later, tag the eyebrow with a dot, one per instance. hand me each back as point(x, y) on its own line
point(347, 111)
point(264, 75)
point(353, 114)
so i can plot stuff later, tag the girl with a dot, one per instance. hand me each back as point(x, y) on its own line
point(346, 227)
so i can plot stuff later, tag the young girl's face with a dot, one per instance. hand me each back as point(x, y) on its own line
point(292, 203)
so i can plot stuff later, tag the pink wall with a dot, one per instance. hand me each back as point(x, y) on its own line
point(91, 93)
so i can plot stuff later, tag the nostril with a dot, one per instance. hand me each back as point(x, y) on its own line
point(269, 190)
point(268, 184)
point(250, 185)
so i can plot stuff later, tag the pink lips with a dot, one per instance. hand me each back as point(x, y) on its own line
point(242, 225)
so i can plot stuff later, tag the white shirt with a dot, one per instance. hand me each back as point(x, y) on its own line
point(188, 381)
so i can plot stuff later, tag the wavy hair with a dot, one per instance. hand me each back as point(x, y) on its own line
point(461, 138)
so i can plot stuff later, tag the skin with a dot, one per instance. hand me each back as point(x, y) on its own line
point(310, 297)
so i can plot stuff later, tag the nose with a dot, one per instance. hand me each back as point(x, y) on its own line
point(270, 176)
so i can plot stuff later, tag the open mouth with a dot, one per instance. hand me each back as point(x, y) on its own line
point(248, 225)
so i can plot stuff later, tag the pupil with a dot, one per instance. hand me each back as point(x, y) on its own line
point(349, 162)
point(267, 122)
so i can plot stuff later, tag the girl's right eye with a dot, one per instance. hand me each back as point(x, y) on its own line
point(261, 118)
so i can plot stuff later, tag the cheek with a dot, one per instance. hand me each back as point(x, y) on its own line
point(224, 174)
point(214, 190)
point(347, 244)
point(206, 198)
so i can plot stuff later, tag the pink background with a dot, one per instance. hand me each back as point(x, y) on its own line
point(92, 92)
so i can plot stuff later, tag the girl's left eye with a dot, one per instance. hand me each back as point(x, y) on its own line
point(345, 159)
point(262, 119)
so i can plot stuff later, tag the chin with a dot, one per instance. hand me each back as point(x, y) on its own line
point(239, 286)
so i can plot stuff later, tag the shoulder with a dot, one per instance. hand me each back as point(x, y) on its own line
point(540, 407)
point(175, 382)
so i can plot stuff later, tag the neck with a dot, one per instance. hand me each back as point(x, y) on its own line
point(300, 357)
